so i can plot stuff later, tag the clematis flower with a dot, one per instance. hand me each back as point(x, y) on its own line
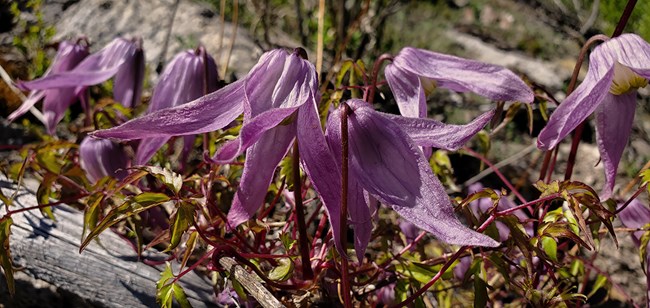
point(55, 101)
point(190, 75)
point(385, 162)
point(637, 215)
point(617, 68)
point(100, 158)
point(483, 205)
point(278, 98)
point(122, 58)
point(416, 72)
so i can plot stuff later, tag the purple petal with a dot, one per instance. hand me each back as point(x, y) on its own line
point(100, 158)
point(614, 118)
point(376, 145)
point(360, 218)
point(31, 100)
point(408, 92)
point(261, 161)
point(581, 103)
point(147, 148)
point(630, 50)
point(635, 215)
point(94, 69)
point(295, 86)
point(208, 113)
point(462, 75)
point(127, 85)
point(432, 133)
point(410, 230)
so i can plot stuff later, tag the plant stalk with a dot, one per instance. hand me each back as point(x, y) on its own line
point(345, 283)
point(307, 272)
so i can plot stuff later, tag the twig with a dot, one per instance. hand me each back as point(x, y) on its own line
point(250, 282)
point(7, 79)
point(235, 16)
point(501, 164)
point(319, 46)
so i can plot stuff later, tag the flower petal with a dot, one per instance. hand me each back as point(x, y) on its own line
point(31, 100)
point(614, 118)
point(56, 102)
point(100, 158)
point(208, 113)
point(408, 92)
point(147, 148)
point(127, 85)
point(376, 143)
point(578, 106)
point(432, 133)
point(630, 50)
point(462, 75)
point(635, 215)
point(261, 160)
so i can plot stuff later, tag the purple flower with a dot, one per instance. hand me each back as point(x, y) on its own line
point(385, 162)
point(279, 101)
point(416, 72)
point(101, 157)
point(617, 68)
point(122, 58)
point(483, 205)
point(190, 75)
point(57, 100)
point(637, 215)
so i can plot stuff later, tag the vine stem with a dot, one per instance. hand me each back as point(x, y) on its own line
point(345, 282)
point(375, 72)
point(498, 173)
point(307, 272)
point(460, 251)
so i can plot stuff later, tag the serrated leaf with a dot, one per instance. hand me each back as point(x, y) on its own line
point(560, 229)
point(91, 213)
point(190, 245)
point(345, 67)
point(130, 207)
point(283, 271)
point(167, 290)
point(643, 250)
point(5, 254)
point(574, 206)
point(287, 241)
point(286, 171)
point(549, 245)
point(182, 221)
point(172, 180)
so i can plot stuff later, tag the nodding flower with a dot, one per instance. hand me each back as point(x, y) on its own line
point(190, 75)
point(617, 68)
point(101, 158)
point(122, 59)
point(56, 100)
point(386, 163)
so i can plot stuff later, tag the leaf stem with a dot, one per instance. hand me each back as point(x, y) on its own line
point(307, 272)
point(345, 283)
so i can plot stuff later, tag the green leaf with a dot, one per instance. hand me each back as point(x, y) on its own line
point(549, 245)
point(420, 272)
point(172, 180)
point(43, 194)
point(167, 290)
point(600, 282)
point(543, 110)
point(643, 250)
point(287, 241)
point(480, 292)
point(48, 160)
point(561, 229)
point(5, 253)
point(286, 171)
point(4, 199)
point(91, 213)
point(283, 271)
point(130, 207)
point(345, 67)
point(529, 109)
point(181, 222)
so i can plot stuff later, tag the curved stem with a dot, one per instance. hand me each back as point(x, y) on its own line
point(375, 72)
point(307, 272)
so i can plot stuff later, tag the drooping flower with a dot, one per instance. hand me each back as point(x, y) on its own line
point(416, 72)
point(122, 58)
point(385, 162)
point(190, 75)
point(637, 215)
point(279, 100)
point(102, 157)
point(56, 100)
point(617, 68)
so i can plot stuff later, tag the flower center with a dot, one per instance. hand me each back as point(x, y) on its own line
point(429, 85)
point(625, 80)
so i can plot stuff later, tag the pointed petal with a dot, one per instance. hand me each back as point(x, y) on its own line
point(462, 75)
point(295, 87)
point(630, 50)
point(261, 161)
point(147, 148)
point(322, 164)
point(408, 92)
point(360, 218)
point(432, 133)
point(208, 113)
point(94, 69)
point(577, 107)
point(376, 143)
point(31, 100)
point(614, 118)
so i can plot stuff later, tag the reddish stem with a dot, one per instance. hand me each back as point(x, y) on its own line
point(345, 283)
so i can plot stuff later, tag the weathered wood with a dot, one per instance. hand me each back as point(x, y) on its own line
point(108, 276)
point(250, 282)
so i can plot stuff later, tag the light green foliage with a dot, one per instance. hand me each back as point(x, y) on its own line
point(35, 36)
point(168, 289)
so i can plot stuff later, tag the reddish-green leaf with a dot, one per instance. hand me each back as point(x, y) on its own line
point(43, 194)
point(167, 290)
point(5, 254)
point(182, 220)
